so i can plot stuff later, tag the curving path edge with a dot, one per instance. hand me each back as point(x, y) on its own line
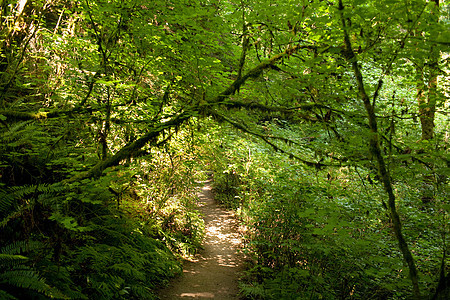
point(214, 272)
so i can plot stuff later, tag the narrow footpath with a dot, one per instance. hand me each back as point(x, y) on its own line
point(214, 272)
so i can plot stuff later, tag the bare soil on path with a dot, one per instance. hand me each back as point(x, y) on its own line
point(214, 272)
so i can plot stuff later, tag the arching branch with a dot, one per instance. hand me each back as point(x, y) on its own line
point(131, 148)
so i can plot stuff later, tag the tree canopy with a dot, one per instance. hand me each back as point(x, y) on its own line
point(324, 123)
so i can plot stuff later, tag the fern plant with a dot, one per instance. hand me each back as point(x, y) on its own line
point(13, 203)
point(17, 278)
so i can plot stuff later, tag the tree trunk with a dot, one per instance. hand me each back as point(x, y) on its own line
point(375, 149)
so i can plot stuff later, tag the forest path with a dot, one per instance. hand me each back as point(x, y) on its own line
point(214, 272)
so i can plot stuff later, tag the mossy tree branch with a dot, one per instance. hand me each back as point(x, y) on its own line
point(131, 148)
point(176, 121)
point(375, 149)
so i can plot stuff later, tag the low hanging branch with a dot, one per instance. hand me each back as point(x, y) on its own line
point(175, 122)
point(131, 148)
point(375, 149)
point(13, 115)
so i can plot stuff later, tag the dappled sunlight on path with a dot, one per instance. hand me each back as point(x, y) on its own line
point(214, 272)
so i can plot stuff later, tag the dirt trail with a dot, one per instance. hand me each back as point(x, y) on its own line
point(214, 272)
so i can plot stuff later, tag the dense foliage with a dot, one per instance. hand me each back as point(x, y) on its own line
point(323, 234)
point(324, 123)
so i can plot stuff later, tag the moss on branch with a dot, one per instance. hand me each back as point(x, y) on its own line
point(131, 148)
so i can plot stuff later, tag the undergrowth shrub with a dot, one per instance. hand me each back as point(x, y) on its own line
point(18, 278)
point(317, 234)
point(226, 187)
point(119, 236)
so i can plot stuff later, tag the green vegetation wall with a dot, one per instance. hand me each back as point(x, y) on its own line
point(325, 124)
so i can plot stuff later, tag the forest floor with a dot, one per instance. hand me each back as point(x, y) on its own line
point(214, 272)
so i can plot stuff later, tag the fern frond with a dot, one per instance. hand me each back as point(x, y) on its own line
point(7, 202)
point(10, 198)
point(128, 270)
point(19, 192)
point(22, 191)
point(20, 247)
point(15, 131)
point(11, 260)
point(142, 292)
point(11, 216)
point(6, 296)
point(24, 278)
point(27, 278)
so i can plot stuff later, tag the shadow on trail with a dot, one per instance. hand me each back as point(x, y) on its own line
point(214, 272)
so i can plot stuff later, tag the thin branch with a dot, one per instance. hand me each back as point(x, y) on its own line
point(388, 67)
point(265, 138)
point(267, 108)
point(255, 73)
